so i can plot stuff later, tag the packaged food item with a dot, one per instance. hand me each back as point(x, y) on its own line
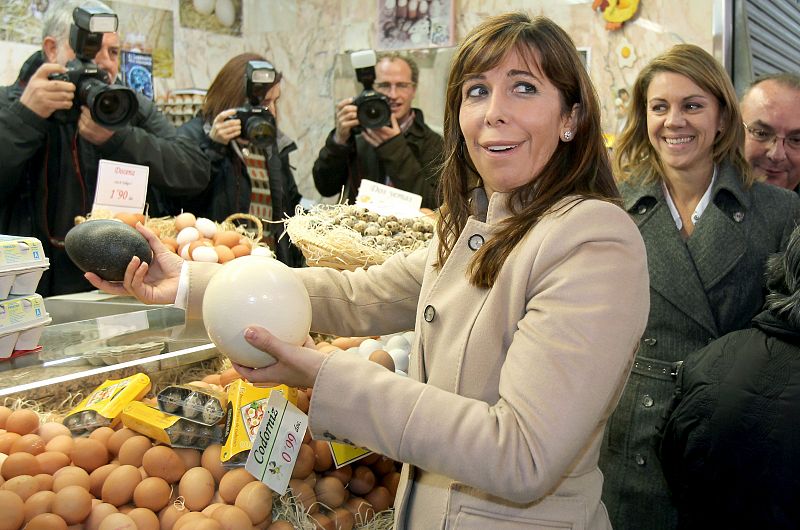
point(168, 428)
point(203, 405)
point(22, 263)
point(22, 321)
point(246, 404)
point(103, 407)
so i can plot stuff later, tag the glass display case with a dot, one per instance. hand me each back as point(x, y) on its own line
point(108, 338)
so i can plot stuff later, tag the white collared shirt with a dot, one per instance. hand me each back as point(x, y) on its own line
point(699, 209)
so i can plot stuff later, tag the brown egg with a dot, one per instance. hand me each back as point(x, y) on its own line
point(197, 488)
point(211, 461)
point(12, 509)
point(232, 517)
point(22, 421)
point(361, 509)
point(22, 485)
point(232, 482)
point(343, 342)
point(100, 511)
point(322, 522)
point(380, 498)
point(73, 504)
point(330, 492)
point(281, 525)
point(130, 219)
point(323, 459)
point(120, 484)
point(46, 521)
point(5, 412)
point(228, 376)
point(20, 464)
point(145, 519)
point(171, 243)
point(118, 521)
point(62, 443)
point(7, 440)
point(240, 250)
point(184, 220)
point(189, 520)
point(304, 495)
point(224, 253)
point(45, 481)
point(116, 440)
point(211, 508)
point(89, 454)
point(102, 434)
point(383, 358)
point(169, 515)
point(344, 474)
point(190, 457)
point(343, 519)
point(363, 480)
point(383, 465)
point(28, 443)
point(51, 429)
point(207, 524)
point(227, 238)
point(71, 476)
point(162, 461)
point(39, 502)
point(255, 499)
point(152, 493)
point(304, 464)
point(98, 477)
point(133, 449)
point(302, 402)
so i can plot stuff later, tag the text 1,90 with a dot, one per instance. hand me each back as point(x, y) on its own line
point(119, 194)
point(288, 443)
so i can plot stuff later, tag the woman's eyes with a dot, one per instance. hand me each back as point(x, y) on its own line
point(662, 107)
point(520, 88)
point(476, 91)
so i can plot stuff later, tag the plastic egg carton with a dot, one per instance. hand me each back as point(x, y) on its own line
point(201, 405)
point(22, 263)
point(22, 320)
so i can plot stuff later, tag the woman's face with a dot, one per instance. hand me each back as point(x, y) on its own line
point(682, 122)
point(511, 118)
point(271, 100)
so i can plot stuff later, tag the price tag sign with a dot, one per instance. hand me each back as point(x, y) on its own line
point(386, 200)
point(275, 447)
point(120, 187)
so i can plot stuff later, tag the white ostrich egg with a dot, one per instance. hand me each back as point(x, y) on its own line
point(255, 291)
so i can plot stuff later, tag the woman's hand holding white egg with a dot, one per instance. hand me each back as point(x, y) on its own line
point(153, 284)
point(296, 365)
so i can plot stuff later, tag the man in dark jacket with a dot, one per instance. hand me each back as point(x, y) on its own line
point(730, 448)
point(49, 170)
point(405, 155)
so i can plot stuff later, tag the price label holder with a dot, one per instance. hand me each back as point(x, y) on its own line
point(277, 442)
point(386, 200)
point(120, 187)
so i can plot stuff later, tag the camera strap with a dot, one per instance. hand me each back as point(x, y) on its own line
point(58, 242)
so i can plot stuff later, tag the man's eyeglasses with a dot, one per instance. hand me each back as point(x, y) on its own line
point(766, 136)
point(400, 87)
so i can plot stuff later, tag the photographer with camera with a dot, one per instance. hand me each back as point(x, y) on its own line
point(379, 136)
point(61, 117)
point(249, 155)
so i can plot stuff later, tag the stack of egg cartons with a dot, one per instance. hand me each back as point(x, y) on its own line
point(22, 313)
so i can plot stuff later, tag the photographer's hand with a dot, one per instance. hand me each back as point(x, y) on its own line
point(90, 130)
point(376, 137)
point(223, 129)
point(44, 96)
point(346, 119)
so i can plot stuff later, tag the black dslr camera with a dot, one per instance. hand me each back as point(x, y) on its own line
point(373, 108)
point(112, 106)
point(258, 123)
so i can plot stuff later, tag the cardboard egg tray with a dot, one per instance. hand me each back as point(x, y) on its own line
point(22, 320)
point(22, 263)
point(108, 355)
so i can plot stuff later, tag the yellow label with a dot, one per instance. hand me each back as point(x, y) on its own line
point(344, 454)
point(148, 421)
point(113, 395)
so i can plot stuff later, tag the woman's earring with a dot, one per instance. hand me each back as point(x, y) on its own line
point(567, 135)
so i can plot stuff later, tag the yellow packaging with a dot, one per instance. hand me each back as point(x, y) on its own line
point(168, 428)
point(246, 405)
point(104, 405)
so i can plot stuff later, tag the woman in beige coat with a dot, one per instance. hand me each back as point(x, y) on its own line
point(527, 306)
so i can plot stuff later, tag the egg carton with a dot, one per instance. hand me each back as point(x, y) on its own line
point(86, 421)
point(109, 355)
point(169, 428)
point(22, 263)
point(190, 434)
point(22, 321)
point(104, 405)
point(202, 405)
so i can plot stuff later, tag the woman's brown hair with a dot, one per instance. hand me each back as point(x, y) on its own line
point(578, 168)
point(635, 157)
point(228, 91)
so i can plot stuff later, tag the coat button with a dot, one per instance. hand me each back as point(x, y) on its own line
point(328, 435)
point(650, 341)
point(647, 401)
point(347, 441)
point(475, 241)
point(640, 459)
point(738, 217)
point(429, 313)
point(642, 209)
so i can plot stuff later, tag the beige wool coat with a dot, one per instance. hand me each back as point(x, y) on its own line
point(509, 388)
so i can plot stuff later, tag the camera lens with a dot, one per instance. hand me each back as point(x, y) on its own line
point(112, 106)
point(373, 110)
point(260, 130)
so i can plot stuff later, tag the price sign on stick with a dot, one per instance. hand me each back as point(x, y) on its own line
point(120, 187)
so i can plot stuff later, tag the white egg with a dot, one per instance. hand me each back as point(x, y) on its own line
point(185, 252)
point(207, 254)
point(187, 235)
point(262, 251)
point(204, 7)
point(369, 346)
point(400, 358)
point(400, 372)
point(409, 335)
point(398, 342)
point(226, 12)
point(258, 291)
point(207, 227)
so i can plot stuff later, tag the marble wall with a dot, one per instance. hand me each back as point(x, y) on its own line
point(307, 41)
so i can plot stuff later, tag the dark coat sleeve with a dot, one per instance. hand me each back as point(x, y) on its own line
point(331, 169)
point(22, 134)
point(177, 165)
point(414, 164)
